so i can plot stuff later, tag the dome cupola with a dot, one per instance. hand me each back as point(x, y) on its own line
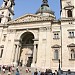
point(45, 9)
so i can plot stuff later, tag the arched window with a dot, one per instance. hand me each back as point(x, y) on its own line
point(69, 13)
point(72, 54)
point(5, 3)
point(56, 54)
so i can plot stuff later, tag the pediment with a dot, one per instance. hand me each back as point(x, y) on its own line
point(26, 18)
point(71, 45)
point(56, 46)
point(29, 18)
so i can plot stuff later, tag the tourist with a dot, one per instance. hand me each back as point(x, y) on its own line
point(36, 73)
point(13, 68)
point(42, 73)
point(9, 73)
point(3, 69)
point(39, 72)
point(17, 72)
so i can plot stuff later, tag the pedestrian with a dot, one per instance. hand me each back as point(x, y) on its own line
point(39, 72)
point(3, 69)
point(17, 72)
point(9, 73)
point(42, 73)
point(36, 73)
point(13, 68)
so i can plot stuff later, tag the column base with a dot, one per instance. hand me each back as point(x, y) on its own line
point(33, 65)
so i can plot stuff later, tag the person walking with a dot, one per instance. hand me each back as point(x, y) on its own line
point(39, 72)
point(17, 72)
point(9, 73)
point(36, 73)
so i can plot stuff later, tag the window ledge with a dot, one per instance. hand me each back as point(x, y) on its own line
point(55, 59)
point(72, 59)
point(56, 38)
point(71, 37)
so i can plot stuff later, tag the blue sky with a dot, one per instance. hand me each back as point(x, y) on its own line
point(31, 6)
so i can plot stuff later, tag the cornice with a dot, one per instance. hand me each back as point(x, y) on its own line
point(33, 21)
point(67, 19)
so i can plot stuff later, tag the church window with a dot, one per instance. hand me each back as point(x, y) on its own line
point(11, 5)
point(2, 12)
point(71, 34)
point(0, 20)
point(72, 54)
point(69, 13)
point(56, 54)
point(5, 3)
point(4, 37)
point(1, 53)
point(9, 14)
point(56, 35)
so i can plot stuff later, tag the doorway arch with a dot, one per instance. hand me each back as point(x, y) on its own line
point(27, 46)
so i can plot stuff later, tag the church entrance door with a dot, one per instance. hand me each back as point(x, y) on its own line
point(26, 52)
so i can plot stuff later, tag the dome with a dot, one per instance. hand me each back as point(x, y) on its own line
point(45, 8)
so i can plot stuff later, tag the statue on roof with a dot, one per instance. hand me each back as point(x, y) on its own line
point(45, 1)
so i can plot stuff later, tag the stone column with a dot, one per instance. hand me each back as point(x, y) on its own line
point(19, 51)
point(34, 56)
point(16, 54)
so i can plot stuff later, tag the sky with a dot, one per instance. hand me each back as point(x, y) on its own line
point(23, 7)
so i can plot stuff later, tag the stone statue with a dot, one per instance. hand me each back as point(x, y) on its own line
point(45, 1)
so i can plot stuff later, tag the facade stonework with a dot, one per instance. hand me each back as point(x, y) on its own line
point(38, 40)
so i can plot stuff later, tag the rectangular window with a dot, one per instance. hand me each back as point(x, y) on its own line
point(71, 34)
point(72, 54)
point(1, 53)
point(56, 35)
point(56, 54)
point(4, 37)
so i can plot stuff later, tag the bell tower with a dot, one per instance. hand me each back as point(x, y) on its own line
point(6, 11)
point(67, 8)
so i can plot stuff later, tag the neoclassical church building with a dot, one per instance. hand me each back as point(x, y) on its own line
point(38, 40)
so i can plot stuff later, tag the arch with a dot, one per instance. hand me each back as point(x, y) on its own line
point(27, 37)
point(26, 51)
point(20, 35)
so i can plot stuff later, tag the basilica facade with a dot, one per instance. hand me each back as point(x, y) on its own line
point(38, 40)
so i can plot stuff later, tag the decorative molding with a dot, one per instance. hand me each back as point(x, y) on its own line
point(56, 46)
point(11, 31)
point(71, 45)
point(2, 46)
point(42, 28)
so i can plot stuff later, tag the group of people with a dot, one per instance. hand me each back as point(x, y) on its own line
point(10, 70)
point(27, 70)
point(47, 72)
